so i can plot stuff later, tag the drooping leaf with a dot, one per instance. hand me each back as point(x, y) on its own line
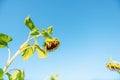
point(41, 52)
point(27, 52)
point(1, 74)
point(18, 75)
point(50, 29)
point(4, 39)
point(34, 30)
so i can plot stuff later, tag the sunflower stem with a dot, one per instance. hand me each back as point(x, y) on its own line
point(18, 52)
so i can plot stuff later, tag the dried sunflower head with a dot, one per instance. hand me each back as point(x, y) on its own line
point(51, 44)
point(113, 66)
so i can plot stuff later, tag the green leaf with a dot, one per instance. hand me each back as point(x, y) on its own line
point(4, 39)
point(28, 52)
point(18, 75)
point(52, 77)
point(41, 52)
point(28, 22)
point(46, 34)
point(50, 30)
point(57, 75)
point(1, 74)
point(3, 44)
point(34, 30)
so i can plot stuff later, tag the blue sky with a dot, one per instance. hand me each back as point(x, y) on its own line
point(89, 31)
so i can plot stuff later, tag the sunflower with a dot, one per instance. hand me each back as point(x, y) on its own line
point(51, 44)
point(113, 66)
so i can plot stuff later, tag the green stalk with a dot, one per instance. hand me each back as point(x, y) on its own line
point(8, 53)
point(18, 52)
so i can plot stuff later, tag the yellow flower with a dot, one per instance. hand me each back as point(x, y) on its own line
point(113, 66)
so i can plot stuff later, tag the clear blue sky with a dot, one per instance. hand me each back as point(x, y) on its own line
point(89, 31)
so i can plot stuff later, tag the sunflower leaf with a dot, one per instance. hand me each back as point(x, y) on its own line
point(27, 52)
point(50, 30)
point(41, 52)
point(4, 39)
point(18, 75)
point(34, 30)
point(1, 74)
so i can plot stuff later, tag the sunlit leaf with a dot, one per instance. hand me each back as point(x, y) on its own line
point(4, 39)
point(27, 52)
point(57, 75)
point(34, 30)
point(1, 74)
point(52, 77)
point(41, 52)
point(3, 44)
point(28, 22)
point(45, 34)
point(18, 75)
point(50, 29)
